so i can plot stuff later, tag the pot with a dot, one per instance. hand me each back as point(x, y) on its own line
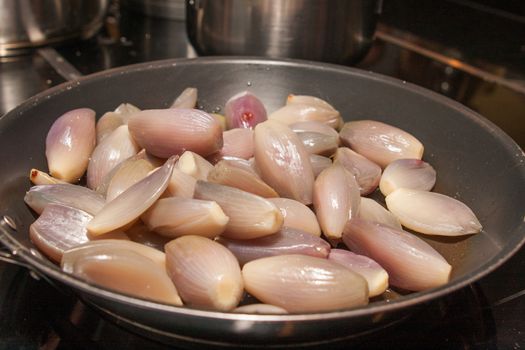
point(337, 31)
point(476, 163)
point(30, 23)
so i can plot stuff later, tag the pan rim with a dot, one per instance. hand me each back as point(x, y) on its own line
point(413, 299)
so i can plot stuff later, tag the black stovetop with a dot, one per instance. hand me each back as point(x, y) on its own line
point(489, 314)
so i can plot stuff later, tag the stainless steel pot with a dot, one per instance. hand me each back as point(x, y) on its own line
point(29, 23)
point(337, 31)
point(476, 162)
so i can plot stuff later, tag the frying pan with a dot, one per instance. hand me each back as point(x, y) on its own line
point(476, 163)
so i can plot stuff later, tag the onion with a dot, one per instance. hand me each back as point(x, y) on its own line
point(117, 267)
point(244, 110)
point(194, 165)
point(375, 275)
point(265, 309)
point(370, 210)
point(301, 283)
point(129, 205)
point(131, 172)
point(112, 120)
point(39, 177)
point(411, 263)
point(336, 199)
point(380, 142)
point(167, 132)
point(206, 273)
point(287, 241)
point(116, 148)
point(177, 216)
point(187, 99)
point(58, 229)
point(237, 143)
point(235, 174)
point(79, 197)
point(297, 215)
point(251, 216)
point(318, 143)
point(319, 163)
point(69, 144)
point(432, 213)
point(283, 162)
point(366, 172)
point(407, 173)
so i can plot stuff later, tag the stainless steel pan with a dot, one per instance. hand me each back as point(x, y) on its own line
point(476, 163)
point(29, 23)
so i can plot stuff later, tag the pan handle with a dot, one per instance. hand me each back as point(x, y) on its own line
point(9, 246)
point(12, 252)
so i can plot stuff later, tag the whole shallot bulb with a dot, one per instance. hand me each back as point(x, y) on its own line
point(244, 110)
point(69, 144)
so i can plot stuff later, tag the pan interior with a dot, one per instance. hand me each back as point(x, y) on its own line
point(475, 162)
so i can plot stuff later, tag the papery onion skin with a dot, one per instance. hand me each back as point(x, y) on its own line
point(167, 132)
point(69, 143)
point(129, 205)
point(244, 110)
point(374, 274)
point(38, 197)
point(380, 142)
point(297, 215)
point(58, 229)
point(432, 213)
point(411, 263)
point(283, 162)
point(301, 283)
point(286, 241)
point(407, 173)
point(366, 172)
point(206, 274)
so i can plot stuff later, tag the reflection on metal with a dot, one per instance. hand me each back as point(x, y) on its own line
point(457, 64)
point(59, 63)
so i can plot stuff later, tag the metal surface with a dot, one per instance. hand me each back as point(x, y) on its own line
point(171, 9)
point(29, 23)
point(468, 152)
point(338, 31)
